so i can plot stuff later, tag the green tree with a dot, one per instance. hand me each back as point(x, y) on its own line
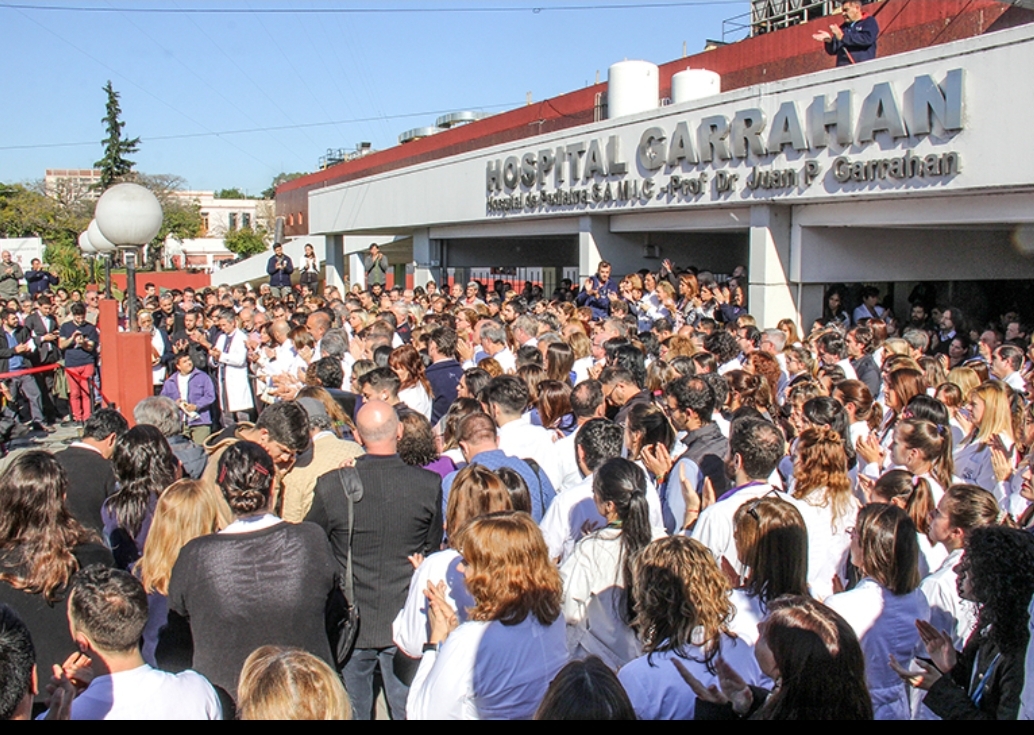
point(181, 218)
point(115, 166)
point(234, 193)
point(246, 242)
point(279, 179)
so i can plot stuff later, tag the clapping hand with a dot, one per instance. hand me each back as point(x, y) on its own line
point(733, 689)
point(925, 678)
point(442, 617)
point(657, 459)
point(1001, 462)
point(939, 645)
point(869, 449)
point(822, 36)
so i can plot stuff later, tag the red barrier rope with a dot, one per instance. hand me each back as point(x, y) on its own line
point(30, 371)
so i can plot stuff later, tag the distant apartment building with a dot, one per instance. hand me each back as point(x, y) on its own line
point(72, 184)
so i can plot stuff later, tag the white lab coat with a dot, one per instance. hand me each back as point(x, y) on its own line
point(411, 628)
point(488, 671)
point(829, 543)
point(973, 463)
point(234, 380)
point(885, 624)
point(714, 528)
point(948, 611)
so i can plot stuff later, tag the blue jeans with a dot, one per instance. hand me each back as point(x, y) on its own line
point(358, 675)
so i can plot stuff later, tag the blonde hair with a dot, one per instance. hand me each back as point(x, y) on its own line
point(965, 378)
point(290, 684)
point(896, 346)
point(997, 417)
point(186, 510)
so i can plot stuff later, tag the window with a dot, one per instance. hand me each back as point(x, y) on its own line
point(245, 219)
point(231, 221)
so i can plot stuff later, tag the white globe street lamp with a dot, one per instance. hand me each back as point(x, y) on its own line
point(85, 245)
point(100, 244)
point(130, 216)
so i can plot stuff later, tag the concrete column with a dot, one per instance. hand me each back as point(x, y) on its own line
point(356, 270)
point(596, 242)
point(809, 306)
point(771, 295)
point(588, 249)
point(427, 258)
point(334, 254)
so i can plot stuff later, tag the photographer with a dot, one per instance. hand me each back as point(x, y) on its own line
point(39, 279)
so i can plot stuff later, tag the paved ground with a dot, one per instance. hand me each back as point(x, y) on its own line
point(65, 435)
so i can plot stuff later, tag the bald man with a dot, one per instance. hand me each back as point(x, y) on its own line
point(397, 513)
point(317, 325)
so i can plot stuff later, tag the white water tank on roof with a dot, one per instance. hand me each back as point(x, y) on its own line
point(632, 86)
point(694, 84)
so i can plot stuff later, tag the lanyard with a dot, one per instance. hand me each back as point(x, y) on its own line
point(977, 694)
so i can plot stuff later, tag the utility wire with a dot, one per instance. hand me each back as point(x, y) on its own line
point(373, 10)
point(244, 131)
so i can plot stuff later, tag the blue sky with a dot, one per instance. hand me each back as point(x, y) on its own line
point(183, 76)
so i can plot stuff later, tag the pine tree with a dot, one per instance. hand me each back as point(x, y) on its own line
point(114, 166)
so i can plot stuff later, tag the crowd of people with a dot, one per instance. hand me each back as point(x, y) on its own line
point(625, 499)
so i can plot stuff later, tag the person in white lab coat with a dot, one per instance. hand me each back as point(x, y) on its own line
point(963, 508)
point(990, 408)
point(596, 602)
point(230, 356)
point(476, 491)
point(822, 494)
point(814, 657)
point(682, 605)
point(499, 663)
point(772, 545)
point(885, 605)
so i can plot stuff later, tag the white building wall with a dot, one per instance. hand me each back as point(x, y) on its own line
point(809, 232)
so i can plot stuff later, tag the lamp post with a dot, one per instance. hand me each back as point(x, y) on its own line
point(102, 246)
point(87, 249)
point(128, 215)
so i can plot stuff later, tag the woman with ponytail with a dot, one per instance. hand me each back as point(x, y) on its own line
point(260, 581)
point(913, 495)
point(597, 605)
point(963, 508)
point(862, 410)
point(924, 448)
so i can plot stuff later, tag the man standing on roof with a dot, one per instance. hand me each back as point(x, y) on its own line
point(854, 40)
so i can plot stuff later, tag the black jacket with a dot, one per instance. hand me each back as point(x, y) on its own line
point(444, 378)
point(706, 447)
point(399, 514)
point(47, 352)
point(867, 371)
point(22, 335)
point(949, 698)
point(91, 480)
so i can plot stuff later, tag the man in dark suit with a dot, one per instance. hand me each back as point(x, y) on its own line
point(20, 341)
point(444, 372)
point(398, 514)
point(44, 329)
point(88, 465)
